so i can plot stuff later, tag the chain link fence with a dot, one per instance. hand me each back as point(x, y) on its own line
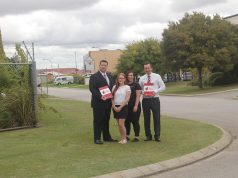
point(18, 95)
point(42, 84)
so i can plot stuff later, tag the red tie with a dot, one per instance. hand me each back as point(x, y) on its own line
point(148, 78)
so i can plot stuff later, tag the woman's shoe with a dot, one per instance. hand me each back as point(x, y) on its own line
point(123, 141)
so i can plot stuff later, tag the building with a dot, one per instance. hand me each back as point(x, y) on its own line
point(62, 71)
point(233, 19)
point(93, 58)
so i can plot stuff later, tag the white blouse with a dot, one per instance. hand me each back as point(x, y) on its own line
point(120, 94)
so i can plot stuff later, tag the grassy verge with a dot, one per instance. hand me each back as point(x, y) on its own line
point(185, 88)
point(68, 86)
point(63, 145)
point(171, 88)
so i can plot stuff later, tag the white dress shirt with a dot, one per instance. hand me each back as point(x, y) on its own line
point(158, 83)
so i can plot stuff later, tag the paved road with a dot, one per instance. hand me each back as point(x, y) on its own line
point(218, 109)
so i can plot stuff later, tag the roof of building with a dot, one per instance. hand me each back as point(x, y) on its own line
point(230, 16)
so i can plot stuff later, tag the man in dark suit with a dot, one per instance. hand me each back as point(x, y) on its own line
point(100, 104)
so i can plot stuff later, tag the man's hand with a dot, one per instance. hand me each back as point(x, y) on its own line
point(153, 93)
point(103, 98)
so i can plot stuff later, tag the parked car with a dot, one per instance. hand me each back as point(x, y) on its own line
point(170, 77)
point(64, 80)
point(187, 76)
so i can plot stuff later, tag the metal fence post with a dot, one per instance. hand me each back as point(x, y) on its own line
point(34, 91)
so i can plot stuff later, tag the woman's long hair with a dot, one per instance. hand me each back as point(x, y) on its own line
point(117, 83)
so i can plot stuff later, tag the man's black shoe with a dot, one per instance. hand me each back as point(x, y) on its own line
point(135, 140)
point(157, 139)
point(110, 140)
point(128, 138)
point(148, 139)
point(99, 142)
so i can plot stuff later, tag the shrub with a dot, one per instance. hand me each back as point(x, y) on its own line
point(215, 79)
point(5, 120)
point(78, 79)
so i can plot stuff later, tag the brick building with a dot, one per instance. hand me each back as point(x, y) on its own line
point(92, 59)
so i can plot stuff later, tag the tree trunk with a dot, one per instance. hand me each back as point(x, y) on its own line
point(200, 85)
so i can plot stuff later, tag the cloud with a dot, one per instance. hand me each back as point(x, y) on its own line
point(187, 5)
point(60, 27)
point(25, 6)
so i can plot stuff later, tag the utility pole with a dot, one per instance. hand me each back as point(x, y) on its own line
point(76, 69)
point(58, 70)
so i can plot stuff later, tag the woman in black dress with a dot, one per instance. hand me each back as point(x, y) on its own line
point(134, 108)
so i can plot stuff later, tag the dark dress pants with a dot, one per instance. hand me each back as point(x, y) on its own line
point(151, 104)
point(133, 117)
point(101, 117)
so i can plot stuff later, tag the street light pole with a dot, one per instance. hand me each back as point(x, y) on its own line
point(51, 65)
point(76, 69)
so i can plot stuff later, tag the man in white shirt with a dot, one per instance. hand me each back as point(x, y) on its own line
point(151, 85)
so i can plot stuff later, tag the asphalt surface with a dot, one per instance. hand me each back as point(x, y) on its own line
point(220, 109)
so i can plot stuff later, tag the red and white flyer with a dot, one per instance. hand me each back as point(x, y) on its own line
point(105, 91)
point(148, 89)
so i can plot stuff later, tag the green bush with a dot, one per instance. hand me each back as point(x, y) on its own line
point(5, 120)
point(78, 79)
point(215, 79)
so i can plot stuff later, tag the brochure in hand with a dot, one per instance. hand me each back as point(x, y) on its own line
point(148, 89)
point(105, 91)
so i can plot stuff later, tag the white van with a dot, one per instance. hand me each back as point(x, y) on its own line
point(64, 80)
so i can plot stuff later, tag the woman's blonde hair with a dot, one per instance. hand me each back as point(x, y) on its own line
point(117, 83)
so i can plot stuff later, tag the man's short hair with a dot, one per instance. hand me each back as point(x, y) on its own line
point(103, 60)
point(147, 62)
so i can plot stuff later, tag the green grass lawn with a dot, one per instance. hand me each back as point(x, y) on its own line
point(186, 88)
point(63, 145)
point(68, 86)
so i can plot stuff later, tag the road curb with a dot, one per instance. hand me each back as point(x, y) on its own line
point(202, 94)
point(171, 164)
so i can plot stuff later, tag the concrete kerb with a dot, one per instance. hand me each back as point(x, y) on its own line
point(202, 94)
point(178, 162)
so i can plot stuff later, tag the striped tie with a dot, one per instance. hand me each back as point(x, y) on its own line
point(148, 79)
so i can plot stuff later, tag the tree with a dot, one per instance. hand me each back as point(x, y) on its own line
point(137, 53)
point(2, 53)
point(199, 41)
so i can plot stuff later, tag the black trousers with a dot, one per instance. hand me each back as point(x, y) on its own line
point(151, 104)
point(133, 117)
point(101, 117)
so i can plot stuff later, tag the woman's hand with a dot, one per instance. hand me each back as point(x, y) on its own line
point(117, 109)
point(135, 108)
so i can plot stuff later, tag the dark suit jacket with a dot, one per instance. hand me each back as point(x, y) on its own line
point(97, 81)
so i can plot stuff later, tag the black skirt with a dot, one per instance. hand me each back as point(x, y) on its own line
point(122, 114)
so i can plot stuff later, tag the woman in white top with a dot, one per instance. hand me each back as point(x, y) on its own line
point(121, 95)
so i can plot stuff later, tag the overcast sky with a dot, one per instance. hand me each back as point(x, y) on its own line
point(59, 28)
